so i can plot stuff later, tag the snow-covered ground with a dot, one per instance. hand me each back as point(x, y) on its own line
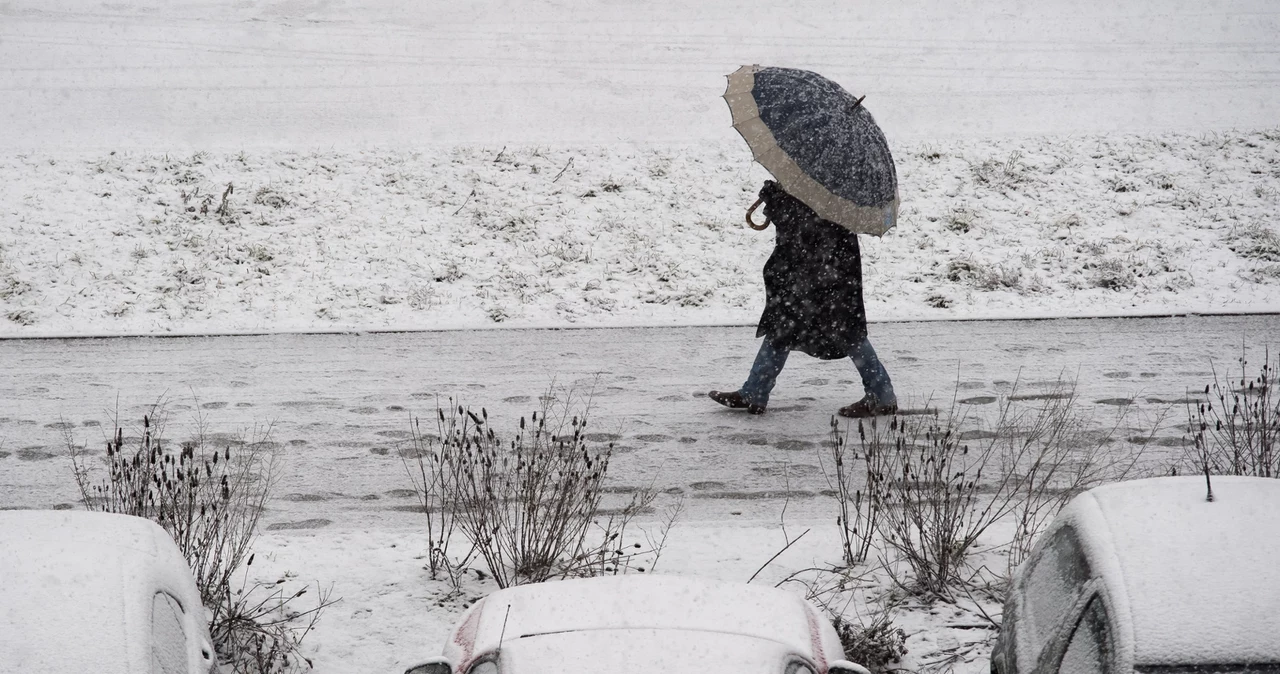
point(568, 162)
point(339, 405)
point(393, 615)
point(417, 166)
point(266, 241)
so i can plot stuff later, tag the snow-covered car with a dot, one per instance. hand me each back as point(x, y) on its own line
point(1151, 576)
point(641, 625)
point(96, 592)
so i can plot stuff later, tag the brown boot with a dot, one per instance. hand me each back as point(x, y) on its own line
point(734, 400)
point(867, 407)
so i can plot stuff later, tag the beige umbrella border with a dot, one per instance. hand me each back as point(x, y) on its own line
point(873, 220)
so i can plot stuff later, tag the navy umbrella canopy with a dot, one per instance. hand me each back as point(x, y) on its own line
point(820, 142)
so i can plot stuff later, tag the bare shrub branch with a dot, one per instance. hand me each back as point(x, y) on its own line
point(1237, 431)
point(531, 506)
point(209, 499)
point(1059, 452)
point(859, 515)
point(436, 474)
point(263, 629)
point(933, 495)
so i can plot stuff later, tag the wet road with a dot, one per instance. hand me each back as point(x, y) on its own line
point(340, 404)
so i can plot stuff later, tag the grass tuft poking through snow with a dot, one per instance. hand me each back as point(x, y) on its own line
point(875, 645)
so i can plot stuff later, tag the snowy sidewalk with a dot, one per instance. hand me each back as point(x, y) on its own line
point(340, 404)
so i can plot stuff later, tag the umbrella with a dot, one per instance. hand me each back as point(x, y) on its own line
point(820, 143)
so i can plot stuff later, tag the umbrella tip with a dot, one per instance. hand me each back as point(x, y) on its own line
point(858, 103)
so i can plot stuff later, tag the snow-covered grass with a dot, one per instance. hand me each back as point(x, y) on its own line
point(469, 237)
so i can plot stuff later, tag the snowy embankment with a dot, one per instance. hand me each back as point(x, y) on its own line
point(128, 243)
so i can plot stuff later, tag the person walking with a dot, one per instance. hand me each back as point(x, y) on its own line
point(813, 304)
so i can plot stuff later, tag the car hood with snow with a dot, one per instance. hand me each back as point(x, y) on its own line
point(636, 623)
point(645, 650)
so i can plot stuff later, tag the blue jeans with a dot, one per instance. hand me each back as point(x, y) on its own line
point(769, 362)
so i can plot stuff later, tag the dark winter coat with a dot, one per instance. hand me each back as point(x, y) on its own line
point(812, 281)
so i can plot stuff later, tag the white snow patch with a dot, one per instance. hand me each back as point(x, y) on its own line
point(78, 593)
point(470, 237)
point(640, 601)
point(194, 74)
point(1188, 566)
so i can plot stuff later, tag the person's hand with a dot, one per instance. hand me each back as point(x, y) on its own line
point(779, 205)
point(770, 190)
point(773, 196)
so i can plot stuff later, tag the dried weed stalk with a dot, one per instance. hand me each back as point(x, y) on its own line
point(870, 638)
point(931, 495)
point(874, 644)
point(209, 500)
point(1237, 431)
point(530, 506)
point(858, 514)
point(1058, 452)
point(436, 468)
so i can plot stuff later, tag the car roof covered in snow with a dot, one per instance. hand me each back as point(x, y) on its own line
point(1200, 579)
point(644, 602)
point(77, 590)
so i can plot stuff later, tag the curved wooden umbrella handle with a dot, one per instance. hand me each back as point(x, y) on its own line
point(751, 210)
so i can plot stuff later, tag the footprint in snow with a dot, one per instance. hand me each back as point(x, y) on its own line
point(317, 523)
